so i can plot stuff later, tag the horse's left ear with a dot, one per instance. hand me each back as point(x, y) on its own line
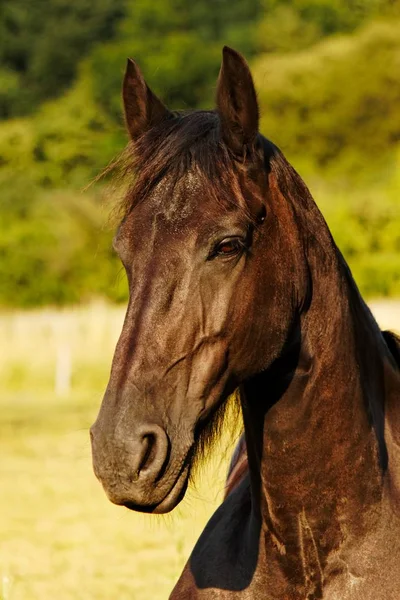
point(142, 108)
point(237, 103)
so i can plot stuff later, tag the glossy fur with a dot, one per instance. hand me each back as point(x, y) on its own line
point(235, 283)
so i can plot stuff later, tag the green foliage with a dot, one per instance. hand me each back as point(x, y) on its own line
point(54, 249)
point(290, 25)
point(366, 226)
point(330, 101)
point(339, 101)
point(177, 44)
point(53, 245)
point(66, 143)
point(42, 44)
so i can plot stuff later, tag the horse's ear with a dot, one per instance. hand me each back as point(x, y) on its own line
point(142, 108)
point(237, 102)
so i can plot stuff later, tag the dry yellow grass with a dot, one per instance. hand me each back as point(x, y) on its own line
point(59, 535)
point(60, 538)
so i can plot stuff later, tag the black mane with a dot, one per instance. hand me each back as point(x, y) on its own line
point(393, 343)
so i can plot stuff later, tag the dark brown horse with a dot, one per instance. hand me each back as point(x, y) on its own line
point(235, 282)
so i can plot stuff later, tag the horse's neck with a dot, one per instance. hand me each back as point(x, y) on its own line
point(312, 431)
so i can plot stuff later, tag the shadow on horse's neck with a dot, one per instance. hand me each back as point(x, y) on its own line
point(314, 427)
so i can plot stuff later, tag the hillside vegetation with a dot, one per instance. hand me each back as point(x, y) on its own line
point(328, 77)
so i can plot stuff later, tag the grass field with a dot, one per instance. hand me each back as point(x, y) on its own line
point(60, 538)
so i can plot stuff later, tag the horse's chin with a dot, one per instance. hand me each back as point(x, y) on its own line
point(170, 501)
point(174, 497)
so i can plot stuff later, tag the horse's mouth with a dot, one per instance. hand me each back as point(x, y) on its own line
point(172, 498)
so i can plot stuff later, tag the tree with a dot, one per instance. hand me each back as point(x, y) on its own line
point(290, 25)
point(178, 46)
point(41, 46)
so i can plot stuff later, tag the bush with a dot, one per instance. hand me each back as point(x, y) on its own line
point(366, 226)
point(55, 250)
point(178, 46)
point(337, 105)
point(42, 44)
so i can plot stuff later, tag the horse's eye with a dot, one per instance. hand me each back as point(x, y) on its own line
point(229, 247)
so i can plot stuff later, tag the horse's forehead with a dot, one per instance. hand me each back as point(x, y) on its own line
point(173, 211)
point(173, 206)
point(176, 201)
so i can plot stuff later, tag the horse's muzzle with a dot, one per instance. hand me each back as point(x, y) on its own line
point(133, 468)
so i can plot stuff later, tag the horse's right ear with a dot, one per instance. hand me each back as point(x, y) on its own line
point(142, 108)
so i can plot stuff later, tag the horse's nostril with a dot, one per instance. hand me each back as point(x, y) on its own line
point(148, 451)
point(153, 454)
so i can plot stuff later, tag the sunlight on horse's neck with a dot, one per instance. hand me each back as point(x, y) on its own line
point(319, 460)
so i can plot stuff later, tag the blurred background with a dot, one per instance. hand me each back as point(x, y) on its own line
point(328, 79)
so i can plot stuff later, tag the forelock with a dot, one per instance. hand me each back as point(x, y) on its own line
point(186, 149)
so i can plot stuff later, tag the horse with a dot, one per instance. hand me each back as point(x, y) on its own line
point(236, 284)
